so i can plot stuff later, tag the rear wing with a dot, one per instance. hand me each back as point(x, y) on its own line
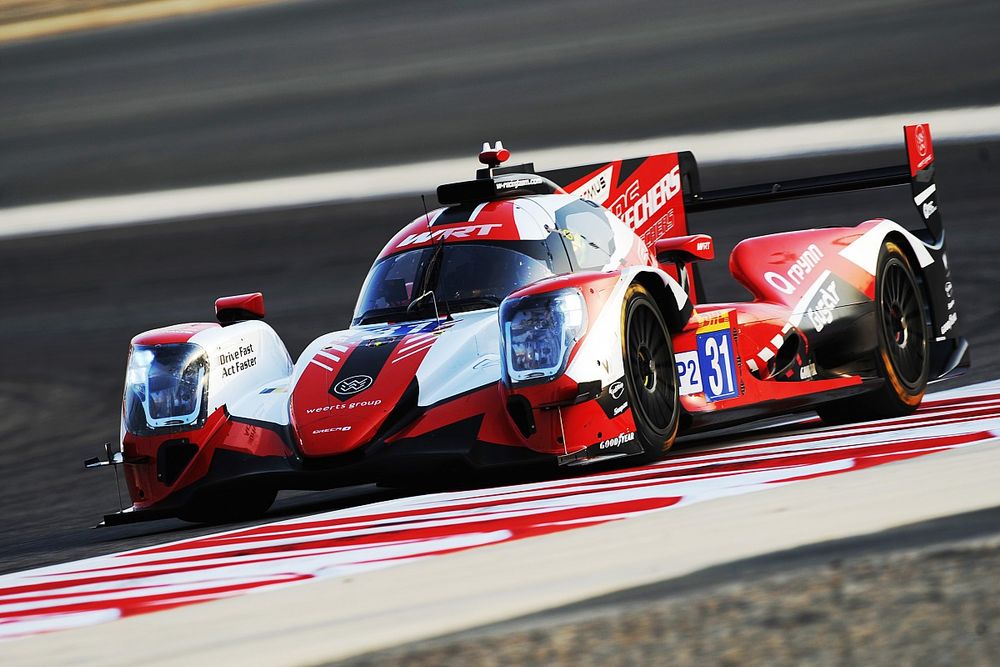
point(654, 195)
point(918, 171)
point(644, 192)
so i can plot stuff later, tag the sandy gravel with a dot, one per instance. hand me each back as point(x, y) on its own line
point(927, 607)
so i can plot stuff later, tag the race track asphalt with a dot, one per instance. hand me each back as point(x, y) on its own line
point(72, 302)
point(315, 85)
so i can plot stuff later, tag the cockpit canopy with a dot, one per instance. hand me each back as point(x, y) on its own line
point(461, 277)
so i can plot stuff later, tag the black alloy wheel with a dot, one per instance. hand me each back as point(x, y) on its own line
point(650, 373)
point(902, 357)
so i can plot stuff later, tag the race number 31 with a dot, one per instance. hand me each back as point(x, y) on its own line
point(718, 366)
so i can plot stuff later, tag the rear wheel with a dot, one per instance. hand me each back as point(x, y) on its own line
point(650, 373)
point(902, 357)
point(226, 504)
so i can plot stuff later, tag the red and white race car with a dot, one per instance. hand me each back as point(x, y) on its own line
point(546, 316)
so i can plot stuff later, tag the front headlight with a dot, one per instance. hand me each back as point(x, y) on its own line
point(166, 387)
point(539, 332)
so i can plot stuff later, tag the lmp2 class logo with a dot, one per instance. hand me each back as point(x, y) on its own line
point(353, 385)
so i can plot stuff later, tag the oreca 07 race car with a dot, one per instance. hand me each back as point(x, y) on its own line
point(547, 317)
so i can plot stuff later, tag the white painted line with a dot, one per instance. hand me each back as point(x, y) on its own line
point(962, 124)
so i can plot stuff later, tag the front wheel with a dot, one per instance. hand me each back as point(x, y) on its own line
point(902, 357)
point(650, 373)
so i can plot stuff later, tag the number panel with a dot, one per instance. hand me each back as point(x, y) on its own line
point(718, 364)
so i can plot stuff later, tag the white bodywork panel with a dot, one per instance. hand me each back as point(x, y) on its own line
point(466, 356)
point(600, 353)
point(245, 359)
point(864, 251)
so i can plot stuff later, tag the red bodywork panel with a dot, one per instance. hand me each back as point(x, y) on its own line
point(219, 432)
point(919, 149)
point(178, 333)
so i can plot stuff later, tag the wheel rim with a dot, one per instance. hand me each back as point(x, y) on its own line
point(902, 323)
point(651, 369)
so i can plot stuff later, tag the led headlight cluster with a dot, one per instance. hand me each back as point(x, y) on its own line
point(166, 387)
point(539, 331)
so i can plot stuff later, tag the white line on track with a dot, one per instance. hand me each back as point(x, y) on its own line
point(948, 125)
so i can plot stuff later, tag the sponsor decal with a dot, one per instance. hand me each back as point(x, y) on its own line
point(821, 312)
point(949, 323)
point(635, 207)
point(920, 135)
point(384, 340)
point(947, 289)
point(332, 429)
point(928, 209)
point(688, 372)
point(598, 188)
point(238, 360)
point(704, 245)
point(807, 372)
point(345, 406)
point(449, 233)
point(613, 400)
point(617, 441)
point(353, 385)
point(804, 264)
point(516, 183)
point(712, 321)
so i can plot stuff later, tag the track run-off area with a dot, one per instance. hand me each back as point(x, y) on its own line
point(347, 542)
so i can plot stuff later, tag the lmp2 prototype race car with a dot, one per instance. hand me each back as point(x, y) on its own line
point(546, 317)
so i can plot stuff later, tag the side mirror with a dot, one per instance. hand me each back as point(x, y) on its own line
point(685, 249)
point(239, 308)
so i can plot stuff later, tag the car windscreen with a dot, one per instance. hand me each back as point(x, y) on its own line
point(462, 276)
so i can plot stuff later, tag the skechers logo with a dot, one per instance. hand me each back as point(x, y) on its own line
point(353, 385)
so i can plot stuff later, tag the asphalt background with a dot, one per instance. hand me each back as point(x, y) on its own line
point(310, 85)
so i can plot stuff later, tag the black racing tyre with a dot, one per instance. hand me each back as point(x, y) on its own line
point(650, 373)
point(903, 354)
point(227, 504)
